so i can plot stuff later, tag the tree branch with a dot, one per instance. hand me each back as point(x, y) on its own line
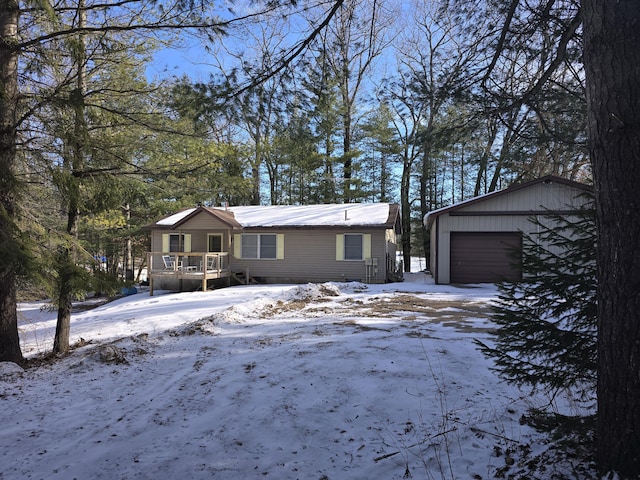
point(501, 40)
point(294, 53)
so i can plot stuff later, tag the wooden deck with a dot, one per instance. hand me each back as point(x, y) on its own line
point(187, 266)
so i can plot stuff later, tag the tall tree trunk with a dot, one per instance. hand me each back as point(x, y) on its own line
point(65, 297)
point(9, 340)
point(345, 92)
point(384, 178)
point(612, 56)
point(255, 176)
point(505, 150)
point(67, 264)
point(68, 256)
point(255, 171)
point(426, 197)
point(347, 163)
point(128, 245)
point(405, 209)
point(329, 194)
point(484, 160)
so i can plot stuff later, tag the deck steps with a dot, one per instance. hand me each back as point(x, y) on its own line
point(244, 278)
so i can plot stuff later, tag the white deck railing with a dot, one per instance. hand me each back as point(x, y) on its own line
point(185, 263)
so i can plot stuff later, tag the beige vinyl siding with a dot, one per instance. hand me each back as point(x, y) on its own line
point(501, 223)
point(553, 196)
point(199, 227)
point(204, 221)
point(195, 241)
point(433, 264)
point(310, 256)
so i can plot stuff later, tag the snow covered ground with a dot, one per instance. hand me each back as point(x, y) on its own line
point(331, 381)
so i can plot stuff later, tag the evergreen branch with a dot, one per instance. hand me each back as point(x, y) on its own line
point(163, 24)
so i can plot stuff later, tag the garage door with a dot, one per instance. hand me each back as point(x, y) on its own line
point(485, 257)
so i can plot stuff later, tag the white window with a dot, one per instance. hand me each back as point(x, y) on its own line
point(353, 246)
point(259, 245)
point(176, 242)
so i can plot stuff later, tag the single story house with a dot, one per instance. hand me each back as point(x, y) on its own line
point(473, 241)
point(274, 244)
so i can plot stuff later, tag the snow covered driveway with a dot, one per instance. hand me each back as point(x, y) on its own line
point(332, 381)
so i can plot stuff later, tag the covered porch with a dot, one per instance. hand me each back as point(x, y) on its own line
point(200, 266)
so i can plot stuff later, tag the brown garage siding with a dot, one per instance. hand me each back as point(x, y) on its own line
point(485, 257)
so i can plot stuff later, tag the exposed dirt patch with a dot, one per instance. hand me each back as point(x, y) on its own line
point(454, 314)
point(291, 306)
point(410, 307)
point(391, 306)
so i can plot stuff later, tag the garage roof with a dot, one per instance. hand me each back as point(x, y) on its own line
point(430, 217)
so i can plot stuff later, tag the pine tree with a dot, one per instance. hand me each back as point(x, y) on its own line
point(546, 335)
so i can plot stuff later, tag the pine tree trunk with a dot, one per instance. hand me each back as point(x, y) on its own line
point(65, 299)
point(68, 260)
point(9, 340)
point(612, 56)
point(427, 196)
point(405, 208)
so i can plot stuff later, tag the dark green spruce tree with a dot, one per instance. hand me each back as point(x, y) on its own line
point(546, 335)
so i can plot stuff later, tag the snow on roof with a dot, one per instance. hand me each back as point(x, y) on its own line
point(346, 214)
point(176, 217)
point(312, 215)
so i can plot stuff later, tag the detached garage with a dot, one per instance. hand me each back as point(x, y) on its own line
point(480, 240)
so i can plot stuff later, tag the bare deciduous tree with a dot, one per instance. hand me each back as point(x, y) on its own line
point(357, 36)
